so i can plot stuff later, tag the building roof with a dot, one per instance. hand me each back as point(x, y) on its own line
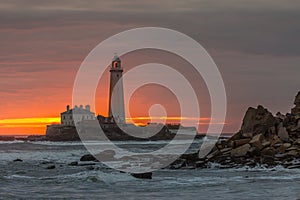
point(78, 111)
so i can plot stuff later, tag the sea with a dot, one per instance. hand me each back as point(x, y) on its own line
point(31, 178)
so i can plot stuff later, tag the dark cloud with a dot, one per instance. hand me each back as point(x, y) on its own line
point(257, 28)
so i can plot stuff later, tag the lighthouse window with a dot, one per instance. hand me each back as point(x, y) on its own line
point(115, 64)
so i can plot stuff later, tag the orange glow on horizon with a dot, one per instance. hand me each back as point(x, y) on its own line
point(25, 126)
point(37, 125)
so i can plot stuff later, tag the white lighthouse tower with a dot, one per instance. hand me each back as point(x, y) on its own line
point(116, 93)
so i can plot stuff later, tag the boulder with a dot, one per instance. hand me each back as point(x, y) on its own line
point(257, 141)
point(146, 175)
point(269, 151)
point(292, 153)
point(240, 142)
point(254, 151)
point(106, 155)
point(266, 144)
point(276, 140)
point(287, 145)
point(257, 120)
point(213, 154)
point(18, 160)
point(282, 133)
point(50, 167)
point(247, 135)
point(88, 157)
point(281, 149)
point(240, 151)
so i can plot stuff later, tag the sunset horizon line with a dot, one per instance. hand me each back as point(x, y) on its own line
point(37, 125)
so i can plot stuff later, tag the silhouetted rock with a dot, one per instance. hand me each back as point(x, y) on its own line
point(240, 151)
point(262, 139)
point(18, 160)
point(88, 157)
point(257, 121)
point(75, 163)
point(35, 138)
point(147, 175)
point(7, 138)
point(50, 167)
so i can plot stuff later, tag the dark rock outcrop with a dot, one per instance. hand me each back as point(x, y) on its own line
point(88, 157)
point(263, 139)
point(7, 138)
point(146, 175)
point(18, 160)
point(50, 167)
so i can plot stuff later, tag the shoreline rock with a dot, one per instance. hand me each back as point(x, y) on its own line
point(263, 139)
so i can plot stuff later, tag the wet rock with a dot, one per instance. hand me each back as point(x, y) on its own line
point(190, 157)
point(75, 163)
point(262, 139)
point(18, 160)
point(88, 157)
point(200, 164)
point(90, 167)
point(226, 150)
point(86, 163)
point(254, 151)
point(50, 167)
point(106, 155)
point(213, 154)
point(177, 164)
point(280, 155)
point(296, 166)
point(147, 175)
point(240, 151)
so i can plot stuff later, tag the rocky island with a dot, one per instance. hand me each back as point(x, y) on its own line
point(263, 139)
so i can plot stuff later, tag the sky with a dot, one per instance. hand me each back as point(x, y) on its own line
point(255, 44)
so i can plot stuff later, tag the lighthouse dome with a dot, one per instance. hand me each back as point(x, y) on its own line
point(116, 58)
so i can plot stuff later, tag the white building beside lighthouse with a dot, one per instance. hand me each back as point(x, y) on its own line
point(116, 93)
point(72, 116)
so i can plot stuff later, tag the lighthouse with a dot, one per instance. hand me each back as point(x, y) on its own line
point(116, 94)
